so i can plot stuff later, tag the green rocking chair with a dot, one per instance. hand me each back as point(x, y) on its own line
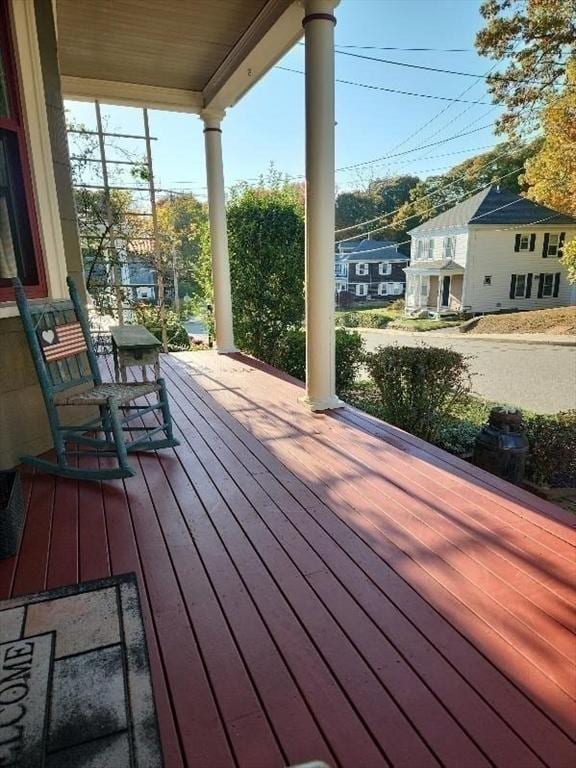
point(58, 336)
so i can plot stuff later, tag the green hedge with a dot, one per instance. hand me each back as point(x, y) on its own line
point(419, 386)
point(290, 356)
point(552, 439)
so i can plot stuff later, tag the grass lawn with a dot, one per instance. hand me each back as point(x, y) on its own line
point(560, 322)
point(409, 324)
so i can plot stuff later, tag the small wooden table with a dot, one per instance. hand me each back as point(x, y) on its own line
point(134, 345)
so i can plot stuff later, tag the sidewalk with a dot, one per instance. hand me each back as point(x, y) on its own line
point(454, 335)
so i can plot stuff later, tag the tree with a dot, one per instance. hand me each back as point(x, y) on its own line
point(569, 260)
point(181, 222)
point(535, 37)
point(551, 173)
point(504, 165)
point(380, 197)
point(266, 244)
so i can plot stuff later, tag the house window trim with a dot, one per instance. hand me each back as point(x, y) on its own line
point(365, 266)
point(364, 287)
point(41, 193)
point(523, 294)
point(385, 268)
point(543, 277)
point(555, 245)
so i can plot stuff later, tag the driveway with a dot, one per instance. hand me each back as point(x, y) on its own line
point(537, 377)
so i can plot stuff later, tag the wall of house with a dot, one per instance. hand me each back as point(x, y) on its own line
point(23, 423)
point(491, 254)
point(373, 279)
point(460, 235)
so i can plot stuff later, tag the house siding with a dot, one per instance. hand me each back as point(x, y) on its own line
point(460, 245)
point(491, 253)
point(23, 421)
point(373, 279)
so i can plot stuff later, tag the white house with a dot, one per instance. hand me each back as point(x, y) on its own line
point(496, 250)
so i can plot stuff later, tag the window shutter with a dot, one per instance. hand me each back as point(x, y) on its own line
point(545, 245)
point(561, 244)
point(532, 241)
point(540, 285)
point(512, 285)
point(556, 284)
point(517, 243)
point(529, 285)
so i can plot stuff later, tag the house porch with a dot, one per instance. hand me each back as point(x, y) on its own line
point(323, 587)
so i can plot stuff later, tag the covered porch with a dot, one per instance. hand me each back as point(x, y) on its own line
point(323, 587)
point(436, 287)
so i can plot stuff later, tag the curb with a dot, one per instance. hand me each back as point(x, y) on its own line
point(493, 337)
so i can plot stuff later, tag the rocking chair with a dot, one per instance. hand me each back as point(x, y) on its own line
point(59, 339)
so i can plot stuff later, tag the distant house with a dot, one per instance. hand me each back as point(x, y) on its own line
point(496, 250)
point(369, 270)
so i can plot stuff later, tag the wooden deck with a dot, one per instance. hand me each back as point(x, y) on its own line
point(323, 587)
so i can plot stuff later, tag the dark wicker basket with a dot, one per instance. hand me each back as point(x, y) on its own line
point(11, 513)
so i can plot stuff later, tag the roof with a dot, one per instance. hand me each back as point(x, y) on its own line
point(441, 265)
point(370, 250)
point(495, 206)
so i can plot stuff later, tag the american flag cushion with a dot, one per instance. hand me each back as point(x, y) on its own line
point(62, 341)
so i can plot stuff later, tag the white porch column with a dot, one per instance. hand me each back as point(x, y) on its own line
point(218, 232)
point(319, 25)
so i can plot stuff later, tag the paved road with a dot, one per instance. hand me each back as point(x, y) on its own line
point(540, 378)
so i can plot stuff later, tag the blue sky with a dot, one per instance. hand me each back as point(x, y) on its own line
point(267, 126)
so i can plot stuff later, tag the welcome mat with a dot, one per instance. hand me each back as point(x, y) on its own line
point(75, 687)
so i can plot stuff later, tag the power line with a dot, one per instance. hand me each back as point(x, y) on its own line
point(386, 90)
point(415, 149)
point(438, 205)
point(406, 64)
point(396, 48)
point(429, 194)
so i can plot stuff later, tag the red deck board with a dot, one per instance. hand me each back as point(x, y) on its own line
point(323, 587)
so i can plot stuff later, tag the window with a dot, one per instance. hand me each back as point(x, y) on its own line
point(449, 247)
point(361, 289)
point(385, 268)
point(553, 243)
point(487, 279)
point(341, 270)
point(429, 248)
point(419, 249)
point(524, 241)
point(520, 290)
point(19, 242)
point(362, 269)
point(340, 286)
point(382, 289)
point(547, 284)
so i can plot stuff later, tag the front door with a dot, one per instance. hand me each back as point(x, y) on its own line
point(446, 291)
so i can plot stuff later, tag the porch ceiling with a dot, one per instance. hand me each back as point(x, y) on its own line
point(173, 51)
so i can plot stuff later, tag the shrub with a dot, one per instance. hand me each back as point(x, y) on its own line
point(290, 356)
point(419, 386)
point(398, 305)
point(149, 317)
point(552, 439)
point(371, 318)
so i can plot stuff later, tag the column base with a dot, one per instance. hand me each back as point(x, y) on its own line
point(321, 404)
point(226, 350)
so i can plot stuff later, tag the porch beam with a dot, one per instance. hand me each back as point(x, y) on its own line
point(218, 232)
point(131, 94)
point(273, 32)
point(319, 23)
